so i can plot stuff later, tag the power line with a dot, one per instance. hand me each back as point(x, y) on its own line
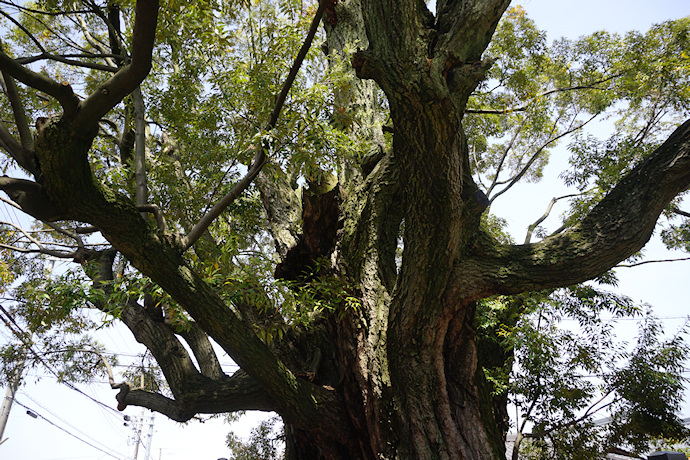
point(22, 335)
point(63, 420)
point(65, 430)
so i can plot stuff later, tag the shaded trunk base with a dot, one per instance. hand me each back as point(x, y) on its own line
point(303, 445)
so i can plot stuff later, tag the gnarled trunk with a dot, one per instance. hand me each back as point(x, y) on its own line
point(410, 381)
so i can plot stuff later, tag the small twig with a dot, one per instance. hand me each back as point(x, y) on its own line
point(13, 147)
point(637, 264)
point(64, 60)
point(524, 107)
point(25, 136)
point(64, 231)
point(41, 249)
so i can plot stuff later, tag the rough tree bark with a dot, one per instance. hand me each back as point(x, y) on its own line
point(398, 377)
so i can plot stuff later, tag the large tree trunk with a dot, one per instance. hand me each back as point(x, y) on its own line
point(407, 358)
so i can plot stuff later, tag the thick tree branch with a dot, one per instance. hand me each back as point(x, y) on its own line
point(173, 359)
point(12, 146)
point(168, 351)
point(32, 198)
point(283, 207)
point(129, 77)
point(236, 393)
point(157, 213)
point(203, 351)
point(300, 401)
point(617, 227)
point(140, 149)
point(466, 27)
point(62, 92)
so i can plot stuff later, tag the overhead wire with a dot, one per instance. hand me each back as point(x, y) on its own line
point(65, 430)
point(21, 335)
point(63, 420)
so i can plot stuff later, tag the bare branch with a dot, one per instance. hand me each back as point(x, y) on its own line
point(48, 252)
point(63, 59)
point(140, 149)
point(637, 264)
point(239, 392)
point(93, 42)
point(10, 202)
point(23, 29)
point(200, 345)
point(505, 155)
point(30, 59)
point(87, 230)
point(678, 211)
point(62, 92)
point(260, 157)
point(524, 107)
point(32, 198)
point(616, 228)
point(13, 147)
point(531, 228)
point(112, 21)
point(25, 136)
point(536, 155)
point(106, 364)
point(41, 249)
point(64, 231)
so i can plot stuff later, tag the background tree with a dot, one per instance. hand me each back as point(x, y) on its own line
point(181, 157)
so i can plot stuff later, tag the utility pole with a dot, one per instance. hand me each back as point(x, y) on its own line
point(9, 397)
point(137, 436)
point(149, 438)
